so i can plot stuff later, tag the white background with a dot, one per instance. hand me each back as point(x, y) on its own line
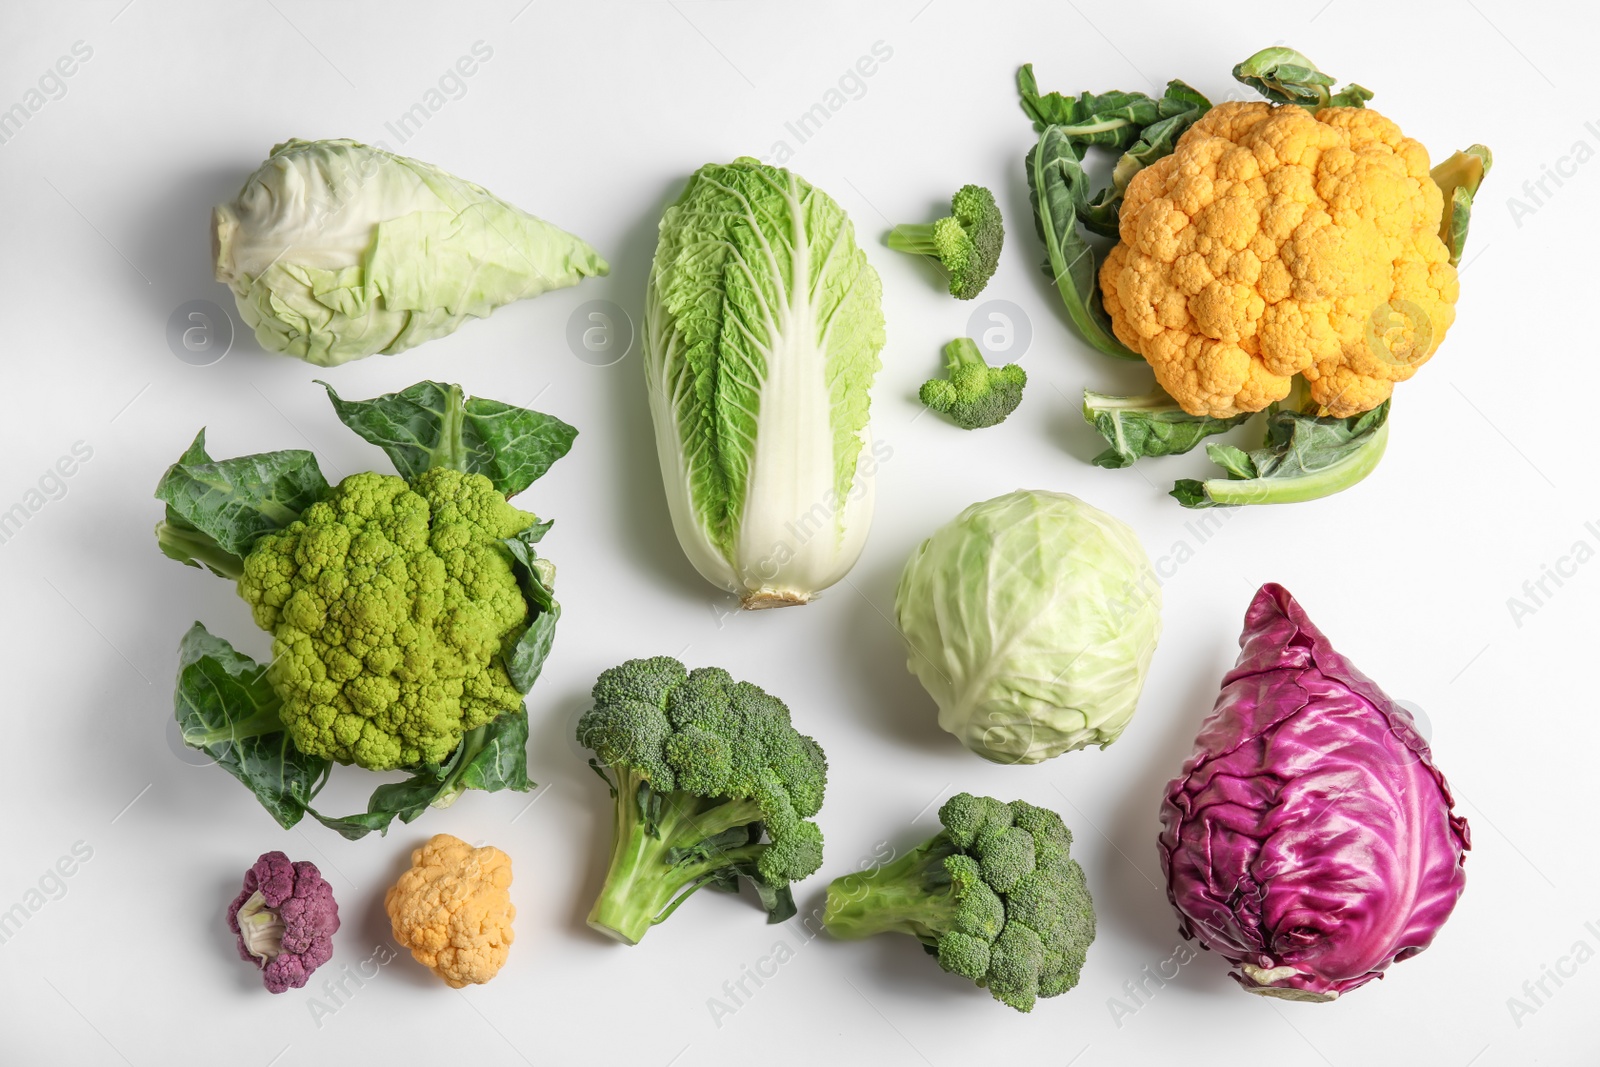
point(592, 116)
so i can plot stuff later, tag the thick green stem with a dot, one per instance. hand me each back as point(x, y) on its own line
point(914, 237)
point(471, 745)
point(189, 545)
point(450, 452)
point(911, 895)
point(1155, 403)
point(1334, 478)
point(643, 885)
point(264, 720)
point(963, 351)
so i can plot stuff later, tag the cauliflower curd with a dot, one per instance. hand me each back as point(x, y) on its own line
point(452, 908)
point(389, 604)
point(1273, 242)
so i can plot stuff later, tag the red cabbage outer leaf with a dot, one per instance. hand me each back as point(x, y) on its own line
point(1309, 839)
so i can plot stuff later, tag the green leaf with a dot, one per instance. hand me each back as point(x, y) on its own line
point(715, 845)
point(1148, 425)
point(1285, 76)
point(1236, 461)
point(526, 651)
point(1305, 457)
point(226, 708)
point(1112, 119)
point(217, 510)
point(1058, 188)
point(1458, 178)
point(778, 901)
point(1180, 108)
point(491, 758)
point(1142, 128)
point(435, 425)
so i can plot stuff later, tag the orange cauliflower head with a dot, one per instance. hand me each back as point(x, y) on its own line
point(453, 909)
point(1273, 242)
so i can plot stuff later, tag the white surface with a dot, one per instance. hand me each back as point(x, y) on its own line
point(592, 115)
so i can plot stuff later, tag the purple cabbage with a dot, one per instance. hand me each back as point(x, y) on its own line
point(1309, 840)
point(285, 918)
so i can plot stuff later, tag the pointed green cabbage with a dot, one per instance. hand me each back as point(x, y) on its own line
point(335, 250)
point(763, 322)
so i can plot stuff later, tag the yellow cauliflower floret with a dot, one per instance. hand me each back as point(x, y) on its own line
point(453, 909)
point(1273, 242)
point(389, 604)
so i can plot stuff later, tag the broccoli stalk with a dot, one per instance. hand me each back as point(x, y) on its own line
point(701, 768)
point(666, 846)
point(966, 242)
point(975, 394)
point(918, 894)
point(993, 896)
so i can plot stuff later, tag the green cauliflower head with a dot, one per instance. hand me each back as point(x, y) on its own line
point(389, 604)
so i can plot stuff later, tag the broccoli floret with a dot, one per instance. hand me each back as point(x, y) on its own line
point(994, 896)
point(966, 242)
point(975, 394)
point(701, 768)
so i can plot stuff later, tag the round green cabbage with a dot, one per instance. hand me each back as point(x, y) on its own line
point(1031, 620)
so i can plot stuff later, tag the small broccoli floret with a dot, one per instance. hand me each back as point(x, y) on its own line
point(701, 769)
point(993, 896)
point(975, 394)
point(966, 242)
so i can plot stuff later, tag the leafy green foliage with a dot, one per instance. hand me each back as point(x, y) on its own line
point(994, 896)
point(1141, 128)
point(1458, 178)
point(217, 510)
point(966, 242)
point(1058, 187)
point(1285, 76)
point(432, 425)
point(1149, 425)
point(700, 767)
point(526, 651)
point(1305, 457)
point(226, 708)
point(974, 394)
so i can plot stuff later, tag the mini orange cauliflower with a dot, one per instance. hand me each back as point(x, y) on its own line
point(1274, 242)
point(453, 909)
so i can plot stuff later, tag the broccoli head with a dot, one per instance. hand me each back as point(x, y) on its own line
point(701, 768)
point(994, 896)
point(966, 242)
point(975, 394)
point(389, 604)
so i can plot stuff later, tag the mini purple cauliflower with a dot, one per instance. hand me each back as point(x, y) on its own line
point(285, 918)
